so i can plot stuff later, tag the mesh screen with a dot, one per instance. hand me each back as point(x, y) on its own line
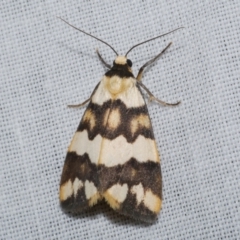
point(46, 65)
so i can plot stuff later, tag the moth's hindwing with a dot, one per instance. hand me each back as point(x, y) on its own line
point(113, 154)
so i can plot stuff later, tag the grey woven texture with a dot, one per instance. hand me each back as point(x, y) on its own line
point(45, 65)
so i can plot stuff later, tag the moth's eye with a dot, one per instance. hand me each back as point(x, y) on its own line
point(129, 62)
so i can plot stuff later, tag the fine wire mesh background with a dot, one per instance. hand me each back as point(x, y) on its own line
point(46, 65)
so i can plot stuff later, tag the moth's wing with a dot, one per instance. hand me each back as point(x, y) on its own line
point(130, 174)
point(79, 186)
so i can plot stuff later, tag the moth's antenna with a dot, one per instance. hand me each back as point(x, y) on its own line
point(151, 40)
point(88, 34)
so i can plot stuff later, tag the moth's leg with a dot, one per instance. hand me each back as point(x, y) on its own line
point(102, 60)
point(153, 98)
point(139, 76)
point(81, 104)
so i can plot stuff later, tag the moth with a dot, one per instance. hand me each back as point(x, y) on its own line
point(113, 154)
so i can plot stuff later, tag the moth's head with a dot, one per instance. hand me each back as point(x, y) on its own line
point(122, 61)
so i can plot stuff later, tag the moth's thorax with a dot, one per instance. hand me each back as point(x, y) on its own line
point(116, 85)
point(119, 78)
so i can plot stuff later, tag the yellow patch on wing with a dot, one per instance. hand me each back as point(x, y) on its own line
point(114, 119)
point(133, 173)
point(83, 168)
point(66, 190)
point(116, 195)
point(90, 118)
point(139, 121)
point(90, 189)
point(94, 199)
point(114, 204)
point(152, 201)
